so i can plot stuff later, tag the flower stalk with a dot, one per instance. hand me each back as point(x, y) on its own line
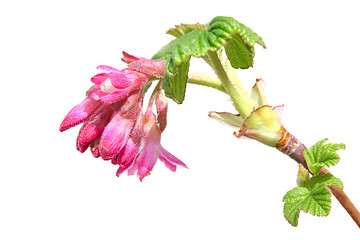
point(243, 104)
point(258, 120)
point(205, 80)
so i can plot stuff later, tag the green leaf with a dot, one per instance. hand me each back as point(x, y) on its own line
point(327, 179)
point(175, 88)
point(183, 29)
point(322, 154)
point(292, 204)
point(165, 52)
point(195, 40)
point(303, 177)
point(316, 201)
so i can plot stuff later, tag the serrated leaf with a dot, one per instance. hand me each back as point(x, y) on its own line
point(183, 29)
point(322, 154)
point(327, 179)
point(316, 202)
point(239, 54)
point(221, 31)
point(293, 200)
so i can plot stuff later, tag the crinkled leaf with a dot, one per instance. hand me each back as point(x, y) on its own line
point(327, 179)
point(322, 154)
point(165, 52)
point(316, 202)
point(175, 88)
point(293, 200)
point(238, 40)
point(183, 29)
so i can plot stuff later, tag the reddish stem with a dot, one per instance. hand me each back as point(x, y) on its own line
point(292, 147)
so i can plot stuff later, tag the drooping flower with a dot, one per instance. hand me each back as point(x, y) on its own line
point(117, 132)
point(151, 150)
point(114, 126)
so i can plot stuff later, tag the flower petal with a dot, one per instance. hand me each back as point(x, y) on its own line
point(109, 97)
point(99, 78)
point(92, 89)
point(81, 147)
point(168, 157)
point(94, 126)
point(161, 104)
point(131, 108)
point(146, 160)
point(128, 58)
point(120, 80)
point(154, 68)
point(79, 113)
point(128, 153)
point(94, 147)
point(170, 166)
point(114, 161)
point(126, 157)
point(108, 69)
point(115, 136)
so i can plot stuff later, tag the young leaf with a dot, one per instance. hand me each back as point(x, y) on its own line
point(175, 88)
point(303, 177)
point(328, 179)
point(165, 52)
point(322, 154)
point(316, 201)
point(293, 200)
point(195, 40)
point(183, 29)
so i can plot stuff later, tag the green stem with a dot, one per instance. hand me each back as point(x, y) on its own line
point(205, 80)
point(243, 103)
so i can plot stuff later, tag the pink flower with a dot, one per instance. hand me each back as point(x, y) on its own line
point(116, 85)
point(126, 157)
point(151, 150)
point(149, 67)
point(93, 127)
point(114, 126)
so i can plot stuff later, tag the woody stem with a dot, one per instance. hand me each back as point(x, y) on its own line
point(292, 147)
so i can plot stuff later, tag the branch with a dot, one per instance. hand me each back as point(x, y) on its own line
point(292, 147)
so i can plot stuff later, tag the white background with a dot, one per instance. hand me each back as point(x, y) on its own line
point(233, 188)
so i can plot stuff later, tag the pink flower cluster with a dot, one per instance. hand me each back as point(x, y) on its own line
point(114, 125)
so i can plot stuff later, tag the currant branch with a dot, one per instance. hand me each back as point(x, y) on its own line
point(118, 127)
